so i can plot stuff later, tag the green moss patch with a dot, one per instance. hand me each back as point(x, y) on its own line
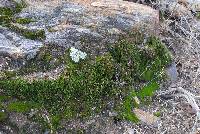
point(21, 107)
point(3, 116)
point(29, 34)
point(158, 114)
point(23, 20)
point(7, 13)
point(48, 58)
point(127, 107)
point(7, 19)
point(85, 88)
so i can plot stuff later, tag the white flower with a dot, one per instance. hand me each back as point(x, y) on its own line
point(76, 55)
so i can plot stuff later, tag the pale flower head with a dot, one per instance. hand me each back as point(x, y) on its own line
point(76, 54)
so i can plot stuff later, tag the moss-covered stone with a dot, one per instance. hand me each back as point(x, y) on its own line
point(86, 87)
point(29, 34)
point(7, 19)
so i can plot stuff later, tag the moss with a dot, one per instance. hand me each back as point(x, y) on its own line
point(3, 98)
point(21, 107)
point(48, 58)
point(19, 6)
point(3, 116)
point(85, 88)
point(9, 74)
point(134, 60)
point(29, 34)
point(148, 90)
point(7, 13)
point(127, 108)
point(23, 20)
point(198, 15)
point(7, 19)
point(158, 114)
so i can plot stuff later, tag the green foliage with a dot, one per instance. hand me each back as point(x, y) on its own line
point(127, 108)
point(158, 114)
point(8, 74)
point(29, 34)
point(3, 98)
point(148, 90)
point(47, 58)
point(3, 116)
point(21, 107)
point(134, 60)
point(7, 18)
point(23, 20)
point(7, 13)
point(86, 87)
point(85, 84)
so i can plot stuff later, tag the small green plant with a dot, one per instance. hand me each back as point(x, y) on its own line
point(3, 98)
point(7, 19)
point(158, 114)
point(21, 107)
point(8, 74)
point(3, 116)
point(148, 90)
point(127, 108)
point(198, 15)
point(23, 20)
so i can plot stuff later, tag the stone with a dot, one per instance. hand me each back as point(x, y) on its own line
point(16, 46)
point(172, 73)
point(176, 9)
point(85, 25)
point(7, 3)
point(192, 4)
point(89, 24)
point(146, 117)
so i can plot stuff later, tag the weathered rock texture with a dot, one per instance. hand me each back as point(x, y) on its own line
point(85, 24)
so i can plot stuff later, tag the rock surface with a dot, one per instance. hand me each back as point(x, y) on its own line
point(146, 117)
point(16, 46)
point(88, 25)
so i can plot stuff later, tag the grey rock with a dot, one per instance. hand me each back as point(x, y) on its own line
point(87, 25)
point(31, 128)
point(7, 3)
point(16, 46)
point(93, 24)
point(172, 72)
